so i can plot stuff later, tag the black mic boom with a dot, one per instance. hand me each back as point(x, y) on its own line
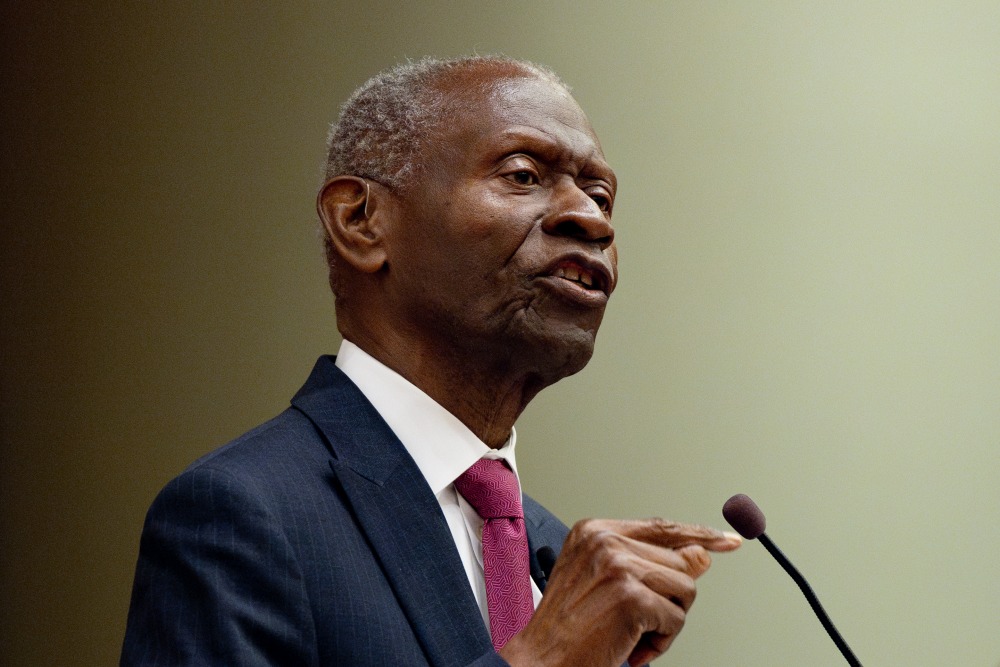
point(743, 514)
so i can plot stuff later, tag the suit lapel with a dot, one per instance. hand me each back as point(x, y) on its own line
point(544, 530)
point(399, 515)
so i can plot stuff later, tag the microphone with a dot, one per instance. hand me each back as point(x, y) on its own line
point(546, 560)
point(743, 514)
point(541, 566)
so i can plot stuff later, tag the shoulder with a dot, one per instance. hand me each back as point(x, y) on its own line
point(290, 434)
point(260, 472)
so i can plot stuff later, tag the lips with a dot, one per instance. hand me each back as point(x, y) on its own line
point(583, 273)
point(576, 274)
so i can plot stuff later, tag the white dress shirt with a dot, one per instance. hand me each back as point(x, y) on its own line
point(442, 447)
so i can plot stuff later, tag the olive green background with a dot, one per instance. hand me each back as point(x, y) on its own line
point(809, 226)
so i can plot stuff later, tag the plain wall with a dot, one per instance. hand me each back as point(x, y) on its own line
point(809, 228)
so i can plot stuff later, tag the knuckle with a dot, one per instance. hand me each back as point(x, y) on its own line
point(597, 538)
point(585, 531)
point(633, 592)
point(613, 563)
point(698, 559)
point(665, 526)
point(579, 534)
point(688, 593)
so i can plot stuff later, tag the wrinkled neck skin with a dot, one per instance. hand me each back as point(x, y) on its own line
point(486, 390)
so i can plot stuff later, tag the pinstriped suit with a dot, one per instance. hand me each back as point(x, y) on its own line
point(311, 540)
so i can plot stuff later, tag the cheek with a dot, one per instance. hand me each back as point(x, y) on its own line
point(479, 237)
point(489, 212)
point(493, 240)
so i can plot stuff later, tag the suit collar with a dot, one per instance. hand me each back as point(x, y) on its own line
point(399, 515)
point(354, 431)
point(441, 445)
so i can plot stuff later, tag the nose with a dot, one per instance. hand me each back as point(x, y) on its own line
point(577, 216)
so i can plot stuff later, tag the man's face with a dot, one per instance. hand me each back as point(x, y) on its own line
point(504, 248)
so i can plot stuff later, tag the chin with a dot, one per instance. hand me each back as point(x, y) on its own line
point(565, 355)
point(550, 346)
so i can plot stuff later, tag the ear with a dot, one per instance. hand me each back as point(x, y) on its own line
point(349, 209)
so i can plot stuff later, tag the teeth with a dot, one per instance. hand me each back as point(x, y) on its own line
point(576, 275)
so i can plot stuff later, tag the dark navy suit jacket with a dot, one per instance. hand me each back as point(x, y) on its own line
point(311, 540)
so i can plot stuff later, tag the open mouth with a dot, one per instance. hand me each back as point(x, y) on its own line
point(577, 275)
point(592, 279)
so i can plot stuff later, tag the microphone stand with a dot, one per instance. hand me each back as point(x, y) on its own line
point(811, 598)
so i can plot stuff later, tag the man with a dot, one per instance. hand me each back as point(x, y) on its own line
point(468, 217)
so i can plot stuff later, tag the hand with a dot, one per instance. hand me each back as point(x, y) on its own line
point(620, 591)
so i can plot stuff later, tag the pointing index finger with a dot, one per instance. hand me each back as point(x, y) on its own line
point(674, 535)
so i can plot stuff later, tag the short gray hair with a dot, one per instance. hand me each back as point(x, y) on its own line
point(385, 123)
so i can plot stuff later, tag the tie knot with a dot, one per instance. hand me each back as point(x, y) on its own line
point(491, 488)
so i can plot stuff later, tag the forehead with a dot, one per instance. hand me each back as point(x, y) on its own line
point(491, 114)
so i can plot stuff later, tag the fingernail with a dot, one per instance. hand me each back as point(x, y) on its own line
point(733, 537)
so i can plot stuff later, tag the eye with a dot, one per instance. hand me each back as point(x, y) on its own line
point(523, 177)
point(603, 200)
point(520, 170)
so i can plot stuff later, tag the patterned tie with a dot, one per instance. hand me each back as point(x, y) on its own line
point(491, 488)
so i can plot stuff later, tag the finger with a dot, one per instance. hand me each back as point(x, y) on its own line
point(651, 645)
point(698, 559)
point(672, 534)
point(669, 573)
point(660, 623)
point(692, 560)
point(670, 583)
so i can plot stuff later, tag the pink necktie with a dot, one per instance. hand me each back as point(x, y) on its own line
point(491, 488)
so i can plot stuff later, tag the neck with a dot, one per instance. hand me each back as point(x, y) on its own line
point(487, 398)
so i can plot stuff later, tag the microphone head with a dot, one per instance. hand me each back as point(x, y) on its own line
point(546, 559)
point(743, 514)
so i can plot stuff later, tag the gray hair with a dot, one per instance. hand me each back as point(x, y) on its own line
point(384, 125)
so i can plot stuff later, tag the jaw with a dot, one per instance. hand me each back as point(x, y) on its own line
point(551, 337)
point(484, 365)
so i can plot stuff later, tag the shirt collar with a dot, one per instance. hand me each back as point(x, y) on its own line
point(441, 445)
